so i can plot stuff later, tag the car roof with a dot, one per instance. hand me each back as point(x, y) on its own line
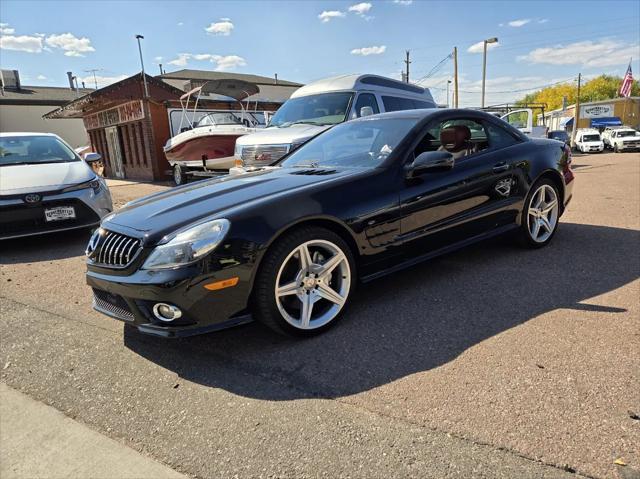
point(422, 113)
point(26, 133)
point(367, 82)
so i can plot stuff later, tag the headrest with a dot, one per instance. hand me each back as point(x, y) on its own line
point(455, 138)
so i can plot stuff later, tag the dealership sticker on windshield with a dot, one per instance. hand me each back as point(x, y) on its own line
point(60, 213)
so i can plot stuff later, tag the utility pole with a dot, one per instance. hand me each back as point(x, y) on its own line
point(455, 76)
point(448, 83)
point(484, 63)
point(95, 80)
point(144, 77)
point(406, 75)
point(576, 115)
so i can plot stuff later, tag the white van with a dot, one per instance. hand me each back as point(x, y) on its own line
point(319, 105)
point(588, 140)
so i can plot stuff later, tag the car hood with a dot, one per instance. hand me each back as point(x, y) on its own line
point(23, 179)
point(280, 136)
point(162, 213)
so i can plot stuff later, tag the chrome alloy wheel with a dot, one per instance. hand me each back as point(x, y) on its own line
point(542, 216)
point(313, 284)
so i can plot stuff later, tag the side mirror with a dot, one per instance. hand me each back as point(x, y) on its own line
point(431, 161)
point(92, 157)
point(366, 111)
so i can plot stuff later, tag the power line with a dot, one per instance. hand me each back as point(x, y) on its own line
point(512, 91)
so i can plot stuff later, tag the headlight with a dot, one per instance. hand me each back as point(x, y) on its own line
point(237, 151)
point(94, 184)
point(188, 246)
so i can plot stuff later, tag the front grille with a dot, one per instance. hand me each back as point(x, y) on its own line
point(26, 219)
point(115, 250)
point(112, 305)
point(269, 153)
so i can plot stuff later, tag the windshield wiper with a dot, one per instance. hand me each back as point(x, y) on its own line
point(301, 122)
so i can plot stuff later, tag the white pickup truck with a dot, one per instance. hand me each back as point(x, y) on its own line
point(622, 139)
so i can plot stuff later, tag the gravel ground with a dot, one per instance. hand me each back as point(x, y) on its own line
point(490, 362)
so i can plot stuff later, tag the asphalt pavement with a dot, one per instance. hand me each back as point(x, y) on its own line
point(490, 362)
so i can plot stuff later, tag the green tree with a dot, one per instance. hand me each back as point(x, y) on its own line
point(603, 87)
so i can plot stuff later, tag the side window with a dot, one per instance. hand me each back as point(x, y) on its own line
point(462, 137)
point(498, 137)
point(366, 99)
point(395, 103)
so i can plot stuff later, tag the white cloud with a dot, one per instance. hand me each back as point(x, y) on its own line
point(403, 2)
point(223, 27)
point(180, 24)
point(328, 15)
point(360, 8)
point(21, 43)
point(365, 51)
point(519, 23)
point(589, 53)
point(102, 80)
point(479, 47)
point(543, 20)
point(6, 30)
point(222, 62)
point(41, 77)
point(72, 45)
point(157, 59)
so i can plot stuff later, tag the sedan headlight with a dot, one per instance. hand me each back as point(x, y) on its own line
point(95, 184)
point(188, 246)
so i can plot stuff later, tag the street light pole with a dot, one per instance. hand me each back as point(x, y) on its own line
point(144, 78)
point(484, 64)
point(448, 83)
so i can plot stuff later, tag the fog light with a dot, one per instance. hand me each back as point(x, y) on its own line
point(166, 312)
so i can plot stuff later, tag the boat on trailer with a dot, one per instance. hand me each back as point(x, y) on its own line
point(208, 144)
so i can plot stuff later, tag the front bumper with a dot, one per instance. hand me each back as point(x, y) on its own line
point(131, 299)
point(19, 219)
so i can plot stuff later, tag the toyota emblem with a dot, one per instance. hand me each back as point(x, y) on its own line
point(93, 244)
point(32, 198)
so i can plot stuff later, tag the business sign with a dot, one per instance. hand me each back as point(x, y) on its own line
point(131, 111)
point(596, 111)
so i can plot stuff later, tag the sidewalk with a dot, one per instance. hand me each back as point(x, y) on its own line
point(38, 441)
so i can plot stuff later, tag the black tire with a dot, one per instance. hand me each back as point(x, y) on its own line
point(265, 308)
point(179, 175)
point(524, 235)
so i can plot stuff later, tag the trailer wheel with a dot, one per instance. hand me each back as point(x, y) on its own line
point(179, 175)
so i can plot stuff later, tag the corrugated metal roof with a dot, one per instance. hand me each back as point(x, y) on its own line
point(41, 95)
point(187, 74)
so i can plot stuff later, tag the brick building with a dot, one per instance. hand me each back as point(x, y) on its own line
point(129, 130)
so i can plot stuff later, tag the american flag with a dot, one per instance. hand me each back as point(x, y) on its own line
point(627, 81)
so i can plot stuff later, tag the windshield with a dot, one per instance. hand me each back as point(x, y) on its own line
point(354, 144)
point(27, 150)
point(213, 119)
point(591, 138)
point(322, 109)
point(559, 135)
point(627, 133)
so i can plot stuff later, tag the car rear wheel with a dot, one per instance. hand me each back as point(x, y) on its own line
point(540, 215)
point(304, 282)
point(179, 175)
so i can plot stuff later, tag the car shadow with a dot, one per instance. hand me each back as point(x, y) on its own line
point(47, 247)
point(410, 321)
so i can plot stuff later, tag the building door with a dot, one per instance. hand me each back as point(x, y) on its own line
point(115, 153)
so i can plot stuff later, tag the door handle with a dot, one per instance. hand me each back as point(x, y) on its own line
point(499, 167)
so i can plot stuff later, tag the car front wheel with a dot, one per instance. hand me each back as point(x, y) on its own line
point(541, 214)
point(304, 282)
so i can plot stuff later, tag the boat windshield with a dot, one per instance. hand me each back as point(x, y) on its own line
point(321, 109)
point(219, 118)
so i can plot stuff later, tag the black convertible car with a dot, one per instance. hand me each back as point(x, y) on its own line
point(287, 244)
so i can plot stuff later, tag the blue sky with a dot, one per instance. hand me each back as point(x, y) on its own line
point(539, 42)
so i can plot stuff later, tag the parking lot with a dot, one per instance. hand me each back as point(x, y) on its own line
point(491, 362)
